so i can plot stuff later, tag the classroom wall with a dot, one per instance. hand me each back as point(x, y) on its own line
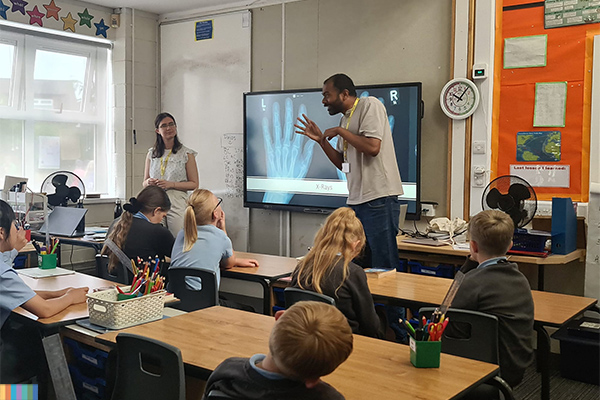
point(380, 41)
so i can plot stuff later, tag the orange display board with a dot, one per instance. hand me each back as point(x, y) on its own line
point(569, 59)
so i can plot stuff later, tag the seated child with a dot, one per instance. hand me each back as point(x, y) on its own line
point(14, 293)
point(328, 269)
point(309, 340)
point(138, 231)
point(203, 242)
point(495, 286)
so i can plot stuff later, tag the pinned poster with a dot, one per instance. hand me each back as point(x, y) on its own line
point(525, 51)
point(550, 104)
point(204, 29)
point(557, 176)
point(539, 146)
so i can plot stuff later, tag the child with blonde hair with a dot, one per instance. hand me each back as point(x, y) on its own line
point(203, 243)
point(328, 269)
point(308, 341)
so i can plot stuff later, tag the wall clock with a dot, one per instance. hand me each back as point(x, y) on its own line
point(459, 98)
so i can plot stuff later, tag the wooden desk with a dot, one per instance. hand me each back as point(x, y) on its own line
point(375, 369)
point(270, 269)
point(72, 313)
point(550, 309)
point(449, 255)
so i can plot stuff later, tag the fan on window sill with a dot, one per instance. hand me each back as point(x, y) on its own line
point(63, 188)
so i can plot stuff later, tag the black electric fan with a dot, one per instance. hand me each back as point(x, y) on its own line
point(515, 196)
point(63, 187)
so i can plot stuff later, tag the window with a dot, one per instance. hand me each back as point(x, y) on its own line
point(54, 108)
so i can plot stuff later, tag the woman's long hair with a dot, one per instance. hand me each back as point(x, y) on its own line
point(159, 145)
point(199, 211)
point(150, 198)
point(334, 241)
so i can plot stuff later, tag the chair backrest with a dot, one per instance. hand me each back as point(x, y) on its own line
point(148, 369)
point(119, 274)
point(192, 299)
point(469, 334)
point(294, 295)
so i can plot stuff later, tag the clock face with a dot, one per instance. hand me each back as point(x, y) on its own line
point(459, 98)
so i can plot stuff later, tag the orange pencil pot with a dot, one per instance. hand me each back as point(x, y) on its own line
point(425, 354)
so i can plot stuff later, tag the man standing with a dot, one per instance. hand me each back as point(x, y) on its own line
point(365, 152)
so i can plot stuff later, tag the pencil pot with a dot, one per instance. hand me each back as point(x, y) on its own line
point(425, 354)
point(47, 261)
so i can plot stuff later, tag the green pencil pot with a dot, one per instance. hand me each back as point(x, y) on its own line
point(425, 354)
point(47, 261)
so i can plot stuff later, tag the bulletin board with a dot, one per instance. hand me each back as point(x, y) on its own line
point(567, 63)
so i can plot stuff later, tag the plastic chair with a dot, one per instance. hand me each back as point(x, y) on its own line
point(218, 395)
point(119, 274)
point(294, 295)
point(148, 369)
point(190, 299)
point(481, 345)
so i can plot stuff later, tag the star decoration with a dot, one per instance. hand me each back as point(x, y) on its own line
point(35, 16)
point(69, 22)
point(85, 18)
point(52, 10)
point(3, 8)
point(19, 5)
point(101, 28)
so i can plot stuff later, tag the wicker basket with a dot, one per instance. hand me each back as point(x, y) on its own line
point(106, 311)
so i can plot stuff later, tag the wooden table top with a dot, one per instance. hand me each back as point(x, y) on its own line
point(552, 259)
point(549, 308)
point(74, 312)
point(375, 369)
point(270, 267)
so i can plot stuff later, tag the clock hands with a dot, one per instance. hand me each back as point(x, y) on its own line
point(463, 93)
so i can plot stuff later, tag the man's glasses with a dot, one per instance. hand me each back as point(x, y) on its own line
point(169, 125)
point(218, 203)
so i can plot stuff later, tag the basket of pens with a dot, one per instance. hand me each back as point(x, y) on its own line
point(122, 307)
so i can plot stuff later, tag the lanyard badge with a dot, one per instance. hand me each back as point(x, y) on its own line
point(346, 164)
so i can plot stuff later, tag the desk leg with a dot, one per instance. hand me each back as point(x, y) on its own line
point(543, 359)
point(540, 285)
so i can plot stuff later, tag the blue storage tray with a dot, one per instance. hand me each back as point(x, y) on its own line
point(87, 385)
point(87, 355)
point(442, 270)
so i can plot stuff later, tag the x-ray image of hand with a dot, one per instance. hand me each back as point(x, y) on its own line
point(288, 155)
point(390, 117)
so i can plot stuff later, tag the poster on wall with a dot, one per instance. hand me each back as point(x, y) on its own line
point(550, 104)
point(556, 176)
point(538, 146)
point(525, 51)
point(558, 13)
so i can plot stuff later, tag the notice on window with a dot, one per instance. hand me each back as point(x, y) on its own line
point(550, 104)
point(525, 51)
point(49, 152)
point(543, 175)
point(559, 13)
point(204, 30)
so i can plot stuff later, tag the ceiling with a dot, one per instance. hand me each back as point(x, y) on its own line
point(174, 6)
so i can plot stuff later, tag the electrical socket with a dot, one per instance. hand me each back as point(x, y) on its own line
point(428, 210)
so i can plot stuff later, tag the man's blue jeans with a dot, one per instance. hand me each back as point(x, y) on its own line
point(380, 222)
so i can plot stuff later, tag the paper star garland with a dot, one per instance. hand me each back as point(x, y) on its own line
point(85, 18)
point(101, 28)
point(52, 10)
point(69, 22)
point(35, 16)
point(3, 8)
point(19, 5)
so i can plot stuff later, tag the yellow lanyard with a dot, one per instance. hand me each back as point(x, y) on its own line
point(347, 125)
point(163, 164)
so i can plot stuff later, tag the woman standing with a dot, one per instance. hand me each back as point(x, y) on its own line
point(171, 166)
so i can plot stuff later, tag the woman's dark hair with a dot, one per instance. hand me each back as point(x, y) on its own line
point(150, 198)
point(7, 217)
point(159, 145)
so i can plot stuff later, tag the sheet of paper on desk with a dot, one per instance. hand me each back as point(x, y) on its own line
point(461, 246)
point(38, 273)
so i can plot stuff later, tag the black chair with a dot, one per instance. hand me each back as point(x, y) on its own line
point(119, 275)
point(294, 295)
point(218, 395)
point(148, 369)
point(477, 339)
point(190, 299)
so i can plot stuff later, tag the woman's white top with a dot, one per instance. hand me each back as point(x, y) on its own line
point(175, 164)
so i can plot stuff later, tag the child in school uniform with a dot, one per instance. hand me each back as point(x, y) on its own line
point(203, 243)
point(495, 286)
point(15, 293)
point(138, 232)
point(308, 341)
point(328, 269)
